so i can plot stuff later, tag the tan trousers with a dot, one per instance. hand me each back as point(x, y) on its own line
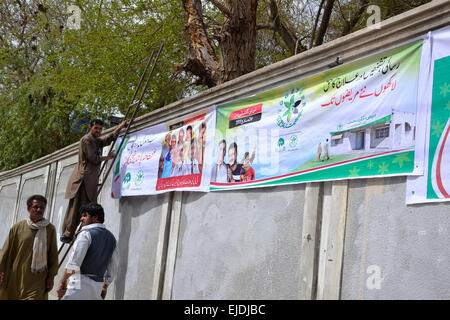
point(73, 215)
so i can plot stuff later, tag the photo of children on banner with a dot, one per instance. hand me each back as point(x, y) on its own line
point(182, 154)
point(247, 172)
point(232, 171)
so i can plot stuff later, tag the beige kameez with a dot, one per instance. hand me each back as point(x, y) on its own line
point(19, 283)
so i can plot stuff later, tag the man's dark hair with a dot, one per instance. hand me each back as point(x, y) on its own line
point(234, 146)
point(97, 121)
point(36, 197)
point(224, 142)
point(94, 210)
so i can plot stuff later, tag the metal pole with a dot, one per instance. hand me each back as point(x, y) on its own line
point(132, 117)
point(129, 106)
point(70, 246)
point(132, 99)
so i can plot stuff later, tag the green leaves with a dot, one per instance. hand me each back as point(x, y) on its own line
point(53, 76)
point(50, 75)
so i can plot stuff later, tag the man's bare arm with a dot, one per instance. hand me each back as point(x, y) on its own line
point(63, 283)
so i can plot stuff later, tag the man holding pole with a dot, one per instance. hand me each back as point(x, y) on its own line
point(82, 185)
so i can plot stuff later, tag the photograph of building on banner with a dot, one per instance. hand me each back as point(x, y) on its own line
point(355, 120)
point(434, 184)
point(166, 157)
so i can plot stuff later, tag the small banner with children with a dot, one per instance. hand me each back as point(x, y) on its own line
point(356, 120)
point(166, 157)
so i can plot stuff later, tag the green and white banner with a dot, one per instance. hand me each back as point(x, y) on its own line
point(356, 120)
point(434, 185)
point(384, 115)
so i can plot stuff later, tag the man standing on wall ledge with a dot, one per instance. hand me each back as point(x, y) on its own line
point(94, 260)
point(82, 186)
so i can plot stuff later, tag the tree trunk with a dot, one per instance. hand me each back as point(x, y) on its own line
point(237, 42)
point(238, 39)
point(201, 60)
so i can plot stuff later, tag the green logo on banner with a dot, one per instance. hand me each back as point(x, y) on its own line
point(139, 177)
point(293, 141)
point(291, 108)
point(281, 146)
point(126, 180)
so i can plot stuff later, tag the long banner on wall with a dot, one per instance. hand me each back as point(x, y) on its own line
point(356, 120)
point(434, 185)
point(166, 157)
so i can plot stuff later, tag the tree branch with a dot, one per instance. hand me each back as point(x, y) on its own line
point(221, 7)
point(288, 37)
point(269, 26)
point(354, 20)
point(313, 34)
point(325, 21)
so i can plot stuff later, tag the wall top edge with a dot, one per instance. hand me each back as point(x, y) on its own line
point(430, 12)
point(428, 17)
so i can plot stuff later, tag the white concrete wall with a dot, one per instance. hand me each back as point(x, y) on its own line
point(9, 189)
point(312, 241)
point(393, 251)
point(240, 245)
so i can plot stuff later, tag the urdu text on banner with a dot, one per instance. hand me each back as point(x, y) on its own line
point(356, 120)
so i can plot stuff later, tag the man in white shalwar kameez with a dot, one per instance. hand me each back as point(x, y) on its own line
point(93, 261)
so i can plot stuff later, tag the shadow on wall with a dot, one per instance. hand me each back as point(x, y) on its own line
point(129, 208)
point(251, 194)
